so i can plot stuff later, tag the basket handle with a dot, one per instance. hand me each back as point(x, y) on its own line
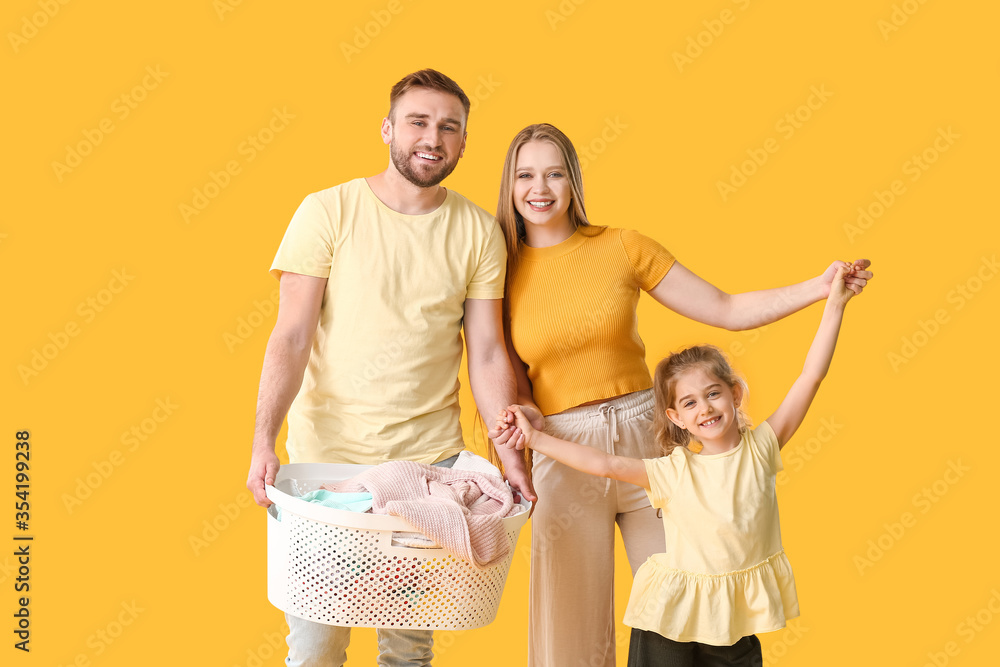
point(336, 517)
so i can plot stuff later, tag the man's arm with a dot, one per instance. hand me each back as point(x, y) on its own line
point(492, 379)
point(284, 364)
point(525, 397)
point(685, 293)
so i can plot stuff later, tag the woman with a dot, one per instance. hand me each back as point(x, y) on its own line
point(570, 313)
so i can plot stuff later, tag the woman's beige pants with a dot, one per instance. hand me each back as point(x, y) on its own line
point(572, 619)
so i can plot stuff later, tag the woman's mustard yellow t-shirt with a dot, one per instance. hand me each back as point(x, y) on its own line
point(572, 315)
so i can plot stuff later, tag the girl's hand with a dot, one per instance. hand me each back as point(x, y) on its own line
point(840, 291)
point(503, 431)
point(500, 432)
point(521, 428)
point(535, 418)
point(855, 279)
point(510, 436)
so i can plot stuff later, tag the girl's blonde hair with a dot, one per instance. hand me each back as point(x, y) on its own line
point(668, 435)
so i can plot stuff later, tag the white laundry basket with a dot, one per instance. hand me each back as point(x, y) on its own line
point(341, 568)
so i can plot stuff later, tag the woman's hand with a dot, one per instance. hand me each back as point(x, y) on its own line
point(856, 275)
point(532, 414)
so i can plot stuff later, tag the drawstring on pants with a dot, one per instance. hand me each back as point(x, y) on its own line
point(609, 414)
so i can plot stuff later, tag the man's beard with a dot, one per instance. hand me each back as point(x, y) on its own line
point(402, 163)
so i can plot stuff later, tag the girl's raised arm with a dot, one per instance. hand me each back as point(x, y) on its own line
point(575, 455)
point(789, 415)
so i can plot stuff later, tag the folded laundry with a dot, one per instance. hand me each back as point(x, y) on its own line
point(469, 461)
point(414, 541)
point(352, 502)
point(461, 510)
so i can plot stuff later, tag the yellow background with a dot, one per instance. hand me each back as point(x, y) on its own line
point(164, 332)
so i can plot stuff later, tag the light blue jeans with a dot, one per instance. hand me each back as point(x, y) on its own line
point(312, 644)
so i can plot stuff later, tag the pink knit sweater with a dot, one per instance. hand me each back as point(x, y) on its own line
point(461, 510)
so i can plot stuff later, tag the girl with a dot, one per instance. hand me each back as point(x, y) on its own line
point(573, 339)
point(724, 575)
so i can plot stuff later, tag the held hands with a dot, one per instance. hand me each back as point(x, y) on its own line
point(502, 429)
point(840, 290)
point(513, 422)
point(855, 277)
point(506, 436)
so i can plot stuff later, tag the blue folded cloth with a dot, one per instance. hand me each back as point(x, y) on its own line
point(352, 502)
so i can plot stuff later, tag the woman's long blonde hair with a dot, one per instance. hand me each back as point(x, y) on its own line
point(512, 224)
point(668, 435)
point(510, 220)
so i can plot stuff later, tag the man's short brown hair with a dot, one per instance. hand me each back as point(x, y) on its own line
point(427, 78)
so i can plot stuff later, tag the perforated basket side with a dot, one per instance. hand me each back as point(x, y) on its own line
point(344, 576)
point(352, 575)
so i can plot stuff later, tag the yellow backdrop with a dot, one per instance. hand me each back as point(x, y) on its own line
point(154, 154)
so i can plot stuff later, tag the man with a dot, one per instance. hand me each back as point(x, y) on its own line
point(378, 278)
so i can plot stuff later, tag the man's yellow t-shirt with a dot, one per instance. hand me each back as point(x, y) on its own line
point(382, 379)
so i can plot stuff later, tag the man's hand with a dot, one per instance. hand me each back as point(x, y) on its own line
point(520, 483)
point(284, 363)
point(264, 466)
point(501, 432)
point(509, 441)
